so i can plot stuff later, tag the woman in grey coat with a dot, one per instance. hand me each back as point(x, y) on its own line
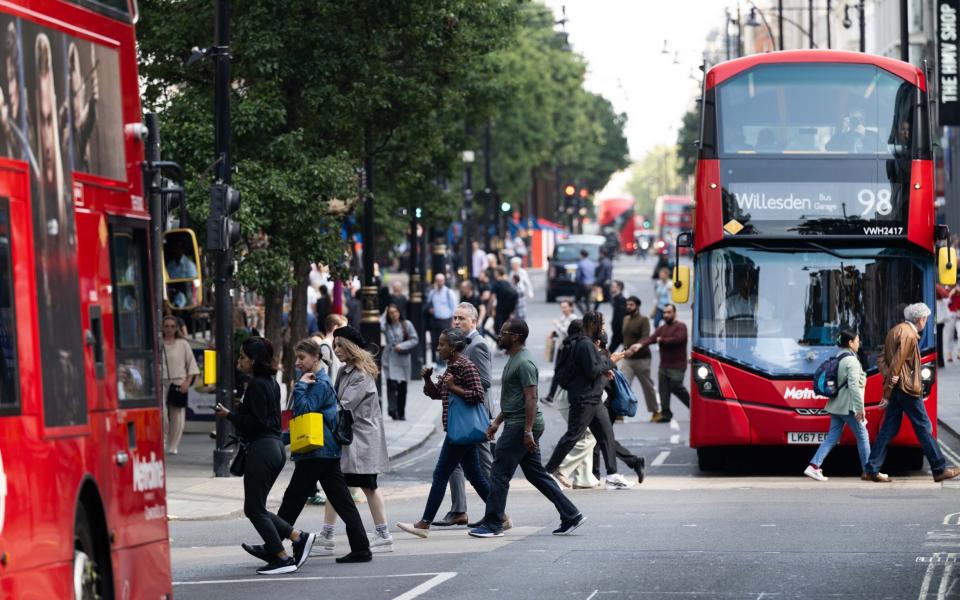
point(364, 459)
point(401, 339)
point(845, 408)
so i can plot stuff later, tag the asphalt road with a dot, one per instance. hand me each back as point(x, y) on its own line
point(760, 530)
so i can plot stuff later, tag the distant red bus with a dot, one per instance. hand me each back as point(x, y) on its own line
point(616, 219)
point(82, 502)
point(814, 214)
point(672, 214)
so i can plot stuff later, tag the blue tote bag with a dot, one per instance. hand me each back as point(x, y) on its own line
point(466, 423)
point(625, 401)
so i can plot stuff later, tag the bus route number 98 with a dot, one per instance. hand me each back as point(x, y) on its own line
point(875, 202)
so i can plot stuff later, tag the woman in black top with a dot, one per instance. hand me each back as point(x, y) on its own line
point(257, 419)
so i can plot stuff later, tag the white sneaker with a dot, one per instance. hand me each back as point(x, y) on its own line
point(322, 546)
point(378, 543)
point(617, 482)
point(813, 473)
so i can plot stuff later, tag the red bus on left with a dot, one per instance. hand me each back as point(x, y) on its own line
point(82, 502)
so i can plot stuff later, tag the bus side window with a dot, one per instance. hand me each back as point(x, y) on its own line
point(9, 380)
point(131, 314)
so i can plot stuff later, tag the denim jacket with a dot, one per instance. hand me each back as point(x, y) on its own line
point(317, 397)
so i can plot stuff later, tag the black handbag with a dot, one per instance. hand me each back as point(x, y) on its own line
point(239, 463)
point(343, 433)
point(175, 397)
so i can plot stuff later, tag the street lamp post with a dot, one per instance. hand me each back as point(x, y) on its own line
point(415, 302)
point(848, 22)
point(467, 233)
point(490, 209)
point(370, 320)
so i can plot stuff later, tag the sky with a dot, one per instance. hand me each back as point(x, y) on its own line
point(622, 41)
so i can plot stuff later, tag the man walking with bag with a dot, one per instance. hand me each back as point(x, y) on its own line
point(903, 393)
point(636, 327)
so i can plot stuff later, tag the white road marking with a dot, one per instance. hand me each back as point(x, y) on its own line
point(415, 458)
point(952, 519)
point(674, 425)
point(313, 578)
point(945, 579)
point(689, 525)
point(675, 438)
point(590, 597)
point(426, 586)
point(949, 452)
point(928, 578)
point(768, 525)
point(660, 458)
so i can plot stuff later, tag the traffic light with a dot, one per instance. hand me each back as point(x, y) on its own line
point(570, 190)
point(418, 213)
point(223, 232)
point(584, 193)
point(505, 207)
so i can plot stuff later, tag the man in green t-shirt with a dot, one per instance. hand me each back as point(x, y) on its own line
point(517, 446)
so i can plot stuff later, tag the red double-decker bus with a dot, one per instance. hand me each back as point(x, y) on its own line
point(814, 214)
point(82, 501)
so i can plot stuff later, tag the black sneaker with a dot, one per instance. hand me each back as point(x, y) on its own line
point(301, 548)
point(257, 552)
point(640, 466)
point(568, 527)
point(356, 557)
point(278, 566)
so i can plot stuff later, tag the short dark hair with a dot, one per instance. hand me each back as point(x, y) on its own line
point(845, 337)
point(519, 327)
point(670, 305)
point(584, 253)
point(501, 272)
point(456, 338)
point(260, 351)
point(634, 299)
point(619, 283)
point(575, 328)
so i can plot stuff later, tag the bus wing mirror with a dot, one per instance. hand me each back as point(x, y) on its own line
point(681, 285)
point(947, 265)
point(182, 276)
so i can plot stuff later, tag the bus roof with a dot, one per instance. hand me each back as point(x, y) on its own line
point(731, 68)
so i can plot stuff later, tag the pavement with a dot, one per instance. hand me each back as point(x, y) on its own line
point(194, 494)
point(948, 397)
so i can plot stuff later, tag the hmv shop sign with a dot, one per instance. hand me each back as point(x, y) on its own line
point(948, 61)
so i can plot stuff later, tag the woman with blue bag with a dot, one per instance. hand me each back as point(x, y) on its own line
point(313, 393)
point(462, 395)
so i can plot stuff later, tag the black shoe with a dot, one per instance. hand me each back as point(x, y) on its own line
point(568, 527)
point(475, 525)
point(451, 519)
point(639, 467)
point(393, 415)
point(356, 557)
point(257, 552)
point(278, 566)
point(301, 548)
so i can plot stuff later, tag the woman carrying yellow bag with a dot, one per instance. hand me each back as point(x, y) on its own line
point(313, 393)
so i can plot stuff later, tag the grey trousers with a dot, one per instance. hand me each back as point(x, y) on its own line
point(640, 368)
point(458, 493)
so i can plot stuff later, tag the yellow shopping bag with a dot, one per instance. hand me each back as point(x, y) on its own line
point(306, 432)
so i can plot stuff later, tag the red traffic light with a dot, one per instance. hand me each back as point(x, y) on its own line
point(584, 193)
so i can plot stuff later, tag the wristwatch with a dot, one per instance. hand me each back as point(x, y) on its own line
point(527, 433)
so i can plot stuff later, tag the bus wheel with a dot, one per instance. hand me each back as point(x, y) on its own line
point(90, 582)
point(903, 460)
point(710, 459)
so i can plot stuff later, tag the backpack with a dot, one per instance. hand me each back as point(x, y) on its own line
point(825, 377)
point(566, 370)
point(511, 297)
point(624, 402)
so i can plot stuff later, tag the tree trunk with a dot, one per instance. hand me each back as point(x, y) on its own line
point(273, 317)
point(298, 316)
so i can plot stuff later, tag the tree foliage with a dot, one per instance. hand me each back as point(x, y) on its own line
point(655, 175)
point(687, 139)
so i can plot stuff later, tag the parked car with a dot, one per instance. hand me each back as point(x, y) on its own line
point(562, 270)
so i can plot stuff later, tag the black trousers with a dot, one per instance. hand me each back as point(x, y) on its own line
point(582, 298)
point(437, 326)
point(510, 454)
point(303, 484)
point(396, 398)
point(583, 415)
point(629, 458)
point(265, 458)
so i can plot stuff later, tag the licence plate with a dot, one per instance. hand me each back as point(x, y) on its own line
point(806, 437)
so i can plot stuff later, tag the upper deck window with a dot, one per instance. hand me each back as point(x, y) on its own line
point(843, 109)
point(118, 9)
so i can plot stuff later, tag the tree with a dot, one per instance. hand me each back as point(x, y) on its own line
point(687, 139)
point(655, 175)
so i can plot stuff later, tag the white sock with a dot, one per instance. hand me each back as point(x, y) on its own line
point(327, 531)
point(383, 530)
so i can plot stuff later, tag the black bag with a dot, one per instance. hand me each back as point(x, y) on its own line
point(343, 433)
point(175, 397)
point(566, 370)
point(239, 463)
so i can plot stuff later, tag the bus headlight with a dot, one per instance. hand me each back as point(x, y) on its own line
point(927, 376)
point(926, 373)
point(705, 379)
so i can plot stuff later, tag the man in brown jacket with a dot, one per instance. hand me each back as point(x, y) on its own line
point(636, 327)
point(903, 393)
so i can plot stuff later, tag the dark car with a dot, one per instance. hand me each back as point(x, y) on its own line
point(562, 270)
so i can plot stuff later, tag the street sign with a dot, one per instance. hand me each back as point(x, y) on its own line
point(948, 64)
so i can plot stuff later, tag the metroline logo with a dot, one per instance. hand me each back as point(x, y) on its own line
point(147, 474)
point(796, 393)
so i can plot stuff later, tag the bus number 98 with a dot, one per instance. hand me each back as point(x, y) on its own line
point(871, 201)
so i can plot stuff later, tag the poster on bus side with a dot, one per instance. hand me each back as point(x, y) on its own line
point(60, 113)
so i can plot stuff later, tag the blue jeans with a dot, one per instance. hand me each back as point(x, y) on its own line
point(900, 403)
point(452, 455)
point(510, 454)
point(833, 438)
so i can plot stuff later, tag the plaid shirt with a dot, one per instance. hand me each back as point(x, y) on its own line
point(465, 374)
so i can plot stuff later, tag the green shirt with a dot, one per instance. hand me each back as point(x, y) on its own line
point(520, 373)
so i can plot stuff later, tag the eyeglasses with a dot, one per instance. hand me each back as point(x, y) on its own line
point(506, 331)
